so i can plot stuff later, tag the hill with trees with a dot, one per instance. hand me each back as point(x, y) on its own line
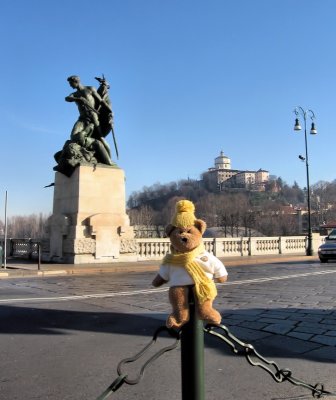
point(272, 212)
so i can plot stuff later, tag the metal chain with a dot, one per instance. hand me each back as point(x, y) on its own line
point(123, 378)
point(115, 385)
point(278, 374)
point(237, 346)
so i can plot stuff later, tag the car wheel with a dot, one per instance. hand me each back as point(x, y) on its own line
point(323, 260)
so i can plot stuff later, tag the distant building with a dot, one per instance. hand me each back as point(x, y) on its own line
point(222, 176)
point(325, 229)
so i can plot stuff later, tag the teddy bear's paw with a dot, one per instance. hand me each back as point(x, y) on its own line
point(217, 320)
point(173, 322)
point(211, 317)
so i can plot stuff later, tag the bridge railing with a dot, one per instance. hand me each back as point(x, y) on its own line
point(22, 248)
point(157, 248)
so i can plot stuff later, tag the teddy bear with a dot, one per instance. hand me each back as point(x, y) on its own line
point(189, 264)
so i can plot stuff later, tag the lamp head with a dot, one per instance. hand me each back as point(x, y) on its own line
point(313, 130)
point(297, 126)
point(301, 158)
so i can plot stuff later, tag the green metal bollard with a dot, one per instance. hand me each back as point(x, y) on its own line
point(192, 354)
point(39, 256)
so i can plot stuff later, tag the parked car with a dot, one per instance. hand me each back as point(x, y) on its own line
point(327, 250)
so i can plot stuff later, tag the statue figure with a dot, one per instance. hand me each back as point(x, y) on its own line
point(87, 142)
point(72, 155)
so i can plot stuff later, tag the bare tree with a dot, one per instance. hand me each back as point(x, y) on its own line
point(143, 215)
point(30, 226)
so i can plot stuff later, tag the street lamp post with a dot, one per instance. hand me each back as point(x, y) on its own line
point(299, 111)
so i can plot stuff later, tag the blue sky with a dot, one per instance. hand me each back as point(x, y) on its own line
point(189, 78)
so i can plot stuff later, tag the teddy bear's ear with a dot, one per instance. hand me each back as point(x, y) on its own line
point(169, 229)
point(200, 225)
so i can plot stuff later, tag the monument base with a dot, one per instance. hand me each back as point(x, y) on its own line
point(89, 223)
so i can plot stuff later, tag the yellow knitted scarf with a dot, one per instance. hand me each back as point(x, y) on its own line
point(205, 287)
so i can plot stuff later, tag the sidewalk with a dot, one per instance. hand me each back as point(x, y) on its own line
point(20, 268)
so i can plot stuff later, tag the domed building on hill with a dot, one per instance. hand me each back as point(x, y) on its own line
point(222, 176)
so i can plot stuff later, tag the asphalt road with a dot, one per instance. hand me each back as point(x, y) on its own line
point(63, 337)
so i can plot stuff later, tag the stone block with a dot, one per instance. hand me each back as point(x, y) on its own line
point(89, 222)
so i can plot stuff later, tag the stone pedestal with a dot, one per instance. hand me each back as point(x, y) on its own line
point(89, 223)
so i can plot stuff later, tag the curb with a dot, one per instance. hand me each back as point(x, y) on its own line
point(45, 273)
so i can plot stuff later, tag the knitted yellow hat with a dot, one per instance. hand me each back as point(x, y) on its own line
point(184, 214)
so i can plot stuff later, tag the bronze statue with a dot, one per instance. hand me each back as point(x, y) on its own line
point(87, 142)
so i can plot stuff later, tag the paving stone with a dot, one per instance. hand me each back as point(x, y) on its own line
point(306, 318)
point(284, 303)
point(313, 325)
point(250, 312)
point(307, 329)
point(329, 321)
point(299, 315)
point(274, 315)
point(230, 321)
point(276, 321)
point(242, 317)
point(247, 334)
point(330, 333)
point(327, 306)
point(253, 325)
point(278, 328)
point(300, 335)
point(319, 298)
point(287, 343)
point(327, 340)
point(322, 312)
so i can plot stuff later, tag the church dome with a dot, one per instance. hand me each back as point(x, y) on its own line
point(222, 162)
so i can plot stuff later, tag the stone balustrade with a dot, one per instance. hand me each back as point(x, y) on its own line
point(156, 249)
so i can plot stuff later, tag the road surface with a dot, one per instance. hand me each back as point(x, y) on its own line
point(63, 337)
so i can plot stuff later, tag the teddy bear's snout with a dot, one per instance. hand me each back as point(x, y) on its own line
point(184, 239)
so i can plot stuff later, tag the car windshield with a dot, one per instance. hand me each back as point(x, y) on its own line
point(332, 235)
